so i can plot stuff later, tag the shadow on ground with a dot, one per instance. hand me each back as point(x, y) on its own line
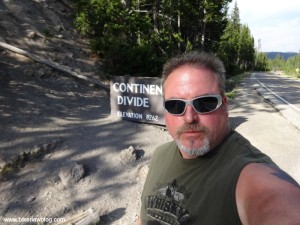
point(37, 110)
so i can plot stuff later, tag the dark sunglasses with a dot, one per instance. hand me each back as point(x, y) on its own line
point(202, 105)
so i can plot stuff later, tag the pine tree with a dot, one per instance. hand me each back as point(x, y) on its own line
point(229, 45)
point(136, 36)
point(236, 47)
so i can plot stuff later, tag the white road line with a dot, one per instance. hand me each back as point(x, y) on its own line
point(282, 99)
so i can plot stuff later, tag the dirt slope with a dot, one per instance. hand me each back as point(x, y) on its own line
point(59, 148)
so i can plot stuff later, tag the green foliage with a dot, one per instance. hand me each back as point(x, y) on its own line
point(236, 47)
point(229, 48)
point(246, 49)
point(120, 59)
point(289, 66)
point(136, 36)
point(232, 83)
point(278, 63)
point(261, 62)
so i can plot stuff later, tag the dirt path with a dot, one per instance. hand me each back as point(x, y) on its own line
point(69, 155)
point(55, 121)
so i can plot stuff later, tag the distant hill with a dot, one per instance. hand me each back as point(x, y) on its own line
point(285, 55)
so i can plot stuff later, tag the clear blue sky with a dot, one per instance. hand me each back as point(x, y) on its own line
point(275, 22)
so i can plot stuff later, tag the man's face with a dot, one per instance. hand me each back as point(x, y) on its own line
point(194, 133)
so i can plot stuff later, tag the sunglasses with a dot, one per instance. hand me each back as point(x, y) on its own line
point(202, 105)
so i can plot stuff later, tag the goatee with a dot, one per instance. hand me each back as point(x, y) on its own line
point(191, 150)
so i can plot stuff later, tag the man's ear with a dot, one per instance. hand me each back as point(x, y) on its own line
point(225, 102)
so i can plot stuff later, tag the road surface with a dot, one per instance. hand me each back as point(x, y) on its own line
point(264, 125)
point(282, 92)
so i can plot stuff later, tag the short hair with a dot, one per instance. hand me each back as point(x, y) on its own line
point(199, 60)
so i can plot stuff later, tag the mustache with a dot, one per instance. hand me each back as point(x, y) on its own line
point(192, 127)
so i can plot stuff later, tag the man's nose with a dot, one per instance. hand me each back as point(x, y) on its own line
point(190, 115)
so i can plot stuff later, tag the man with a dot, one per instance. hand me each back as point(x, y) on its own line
point(209, 174)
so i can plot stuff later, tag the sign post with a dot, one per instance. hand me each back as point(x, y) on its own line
point(137, 99)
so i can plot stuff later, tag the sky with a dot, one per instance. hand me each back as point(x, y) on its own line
point(276, 23)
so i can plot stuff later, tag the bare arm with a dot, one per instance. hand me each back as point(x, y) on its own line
point(138, 222)
point(267, 195)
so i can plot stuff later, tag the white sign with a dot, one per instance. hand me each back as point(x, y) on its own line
point(137, 98)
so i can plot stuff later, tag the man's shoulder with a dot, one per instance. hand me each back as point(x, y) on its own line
point(236, 140)
point(165, 146)
point(170, 144)
point(238, 148)
point(164, 149)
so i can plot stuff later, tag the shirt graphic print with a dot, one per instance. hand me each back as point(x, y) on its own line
point(165, 206)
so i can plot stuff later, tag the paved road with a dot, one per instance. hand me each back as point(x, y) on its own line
point(282, 92)
point(266, 127)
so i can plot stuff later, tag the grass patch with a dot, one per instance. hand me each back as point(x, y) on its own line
point(231, 94)
point(7, 169)
point(232, 84)
point(289, 74)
